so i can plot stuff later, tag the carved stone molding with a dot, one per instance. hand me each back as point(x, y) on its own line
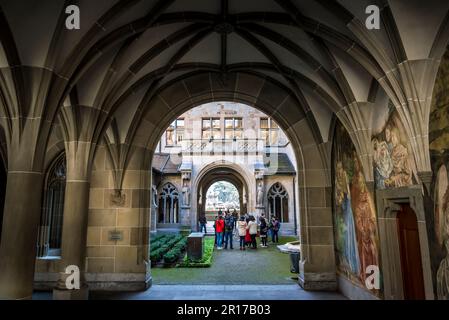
point(118, 199)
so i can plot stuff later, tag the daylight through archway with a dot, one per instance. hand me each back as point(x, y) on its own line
point(223, 160)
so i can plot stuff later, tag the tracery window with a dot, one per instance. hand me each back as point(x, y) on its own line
point(50, 229)
point(168, 204)
point(278, 202)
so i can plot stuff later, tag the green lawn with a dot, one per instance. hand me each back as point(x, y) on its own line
point(261, 266)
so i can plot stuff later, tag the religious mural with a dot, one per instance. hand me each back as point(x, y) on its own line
point(355, 223)
point(393, 160)
point(438, 227)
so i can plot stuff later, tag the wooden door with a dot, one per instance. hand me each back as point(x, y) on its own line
point(411, 263)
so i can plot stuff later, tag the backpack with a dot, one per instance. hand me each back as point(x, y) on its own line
point(229, 223)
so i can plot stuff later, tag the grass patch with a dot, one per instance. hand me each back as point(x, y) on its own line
point(206, 262)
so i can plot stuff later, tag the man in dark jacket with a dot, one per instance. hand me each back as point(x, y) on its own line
point(229, 227)
point(203, 222)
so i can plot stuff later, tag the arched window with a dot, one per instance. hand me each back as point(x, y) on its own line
point(278, 202)
point(50, 230)
point(169, 204)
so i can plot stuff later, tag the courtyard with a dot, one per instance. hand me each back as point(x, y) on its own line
point(264, 266)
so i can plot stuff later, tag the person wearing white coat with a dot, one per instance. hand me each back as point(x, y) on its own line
point(241, 226)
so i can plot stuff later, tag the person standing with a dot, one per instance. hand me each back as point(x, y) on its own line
point(252, 228)
point(229, 228)
point(263, 231)
point(203, 223)
point(234, 214)
point(275, 226)
point(242, 232)
point(215, 229)
point(219, 229)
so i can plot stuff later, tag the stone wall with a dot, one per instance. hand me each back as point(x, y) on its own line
point(124, 215)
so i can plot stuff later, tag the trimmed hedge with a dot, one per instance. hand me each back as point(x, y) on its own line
point(167, 247)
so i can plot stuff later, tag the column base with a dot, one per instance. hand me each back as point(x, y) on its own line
point(64, 294)
point(318, 282)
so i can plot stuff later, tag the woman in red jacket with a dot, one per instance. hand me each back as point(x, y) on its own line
point(219, 229)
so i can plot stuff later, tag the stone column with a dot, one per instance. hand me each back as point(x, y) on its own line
point(426, 179)
point(20, 225)
point(317, 264)
point(74, 229)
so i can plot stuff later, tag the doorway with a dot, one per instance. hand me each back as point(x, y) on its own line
point(410, 253)
point(405, 262)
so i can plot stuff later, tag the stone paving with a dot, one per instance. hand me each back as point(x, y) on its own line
point(223, 292)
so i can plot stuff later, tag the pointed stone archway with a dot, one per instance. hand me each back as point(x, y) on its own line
point(317, 265)
point(222, 171)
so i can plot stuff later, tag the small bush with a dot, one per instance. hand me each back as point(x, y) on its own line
point(167, 247)
point(172, 255)
point(156, 255)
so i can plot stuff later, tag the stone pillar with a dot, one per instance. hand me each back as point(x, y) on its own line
point(317, 264)
point(426, 179)
point(74, 234)
point(20, 225)
point(74, 228)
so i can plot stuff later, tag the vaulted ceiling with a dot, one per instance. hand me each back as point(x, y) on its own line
point(126, 50)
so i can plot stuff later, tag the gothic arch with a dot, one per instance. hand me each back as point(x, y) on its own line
point(314, 210)
point(242, 177)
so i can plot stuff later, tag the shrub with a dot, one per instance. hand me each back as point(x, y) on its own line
point(172, 255)
point(168, 247)
point(156, 255)
point(156, 245)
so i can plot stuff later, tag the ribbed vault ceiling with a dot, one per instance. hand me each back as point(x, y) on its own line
point(127, 49)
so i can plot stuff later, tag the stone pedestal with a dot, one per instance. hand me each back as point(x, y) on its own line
point(62, 293)
point(65, 294)
point(195, 246)
point(316, 281)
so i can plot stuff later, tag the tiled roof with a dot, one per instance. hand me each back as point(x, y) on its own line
point(166, 163)
point(278, 163)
